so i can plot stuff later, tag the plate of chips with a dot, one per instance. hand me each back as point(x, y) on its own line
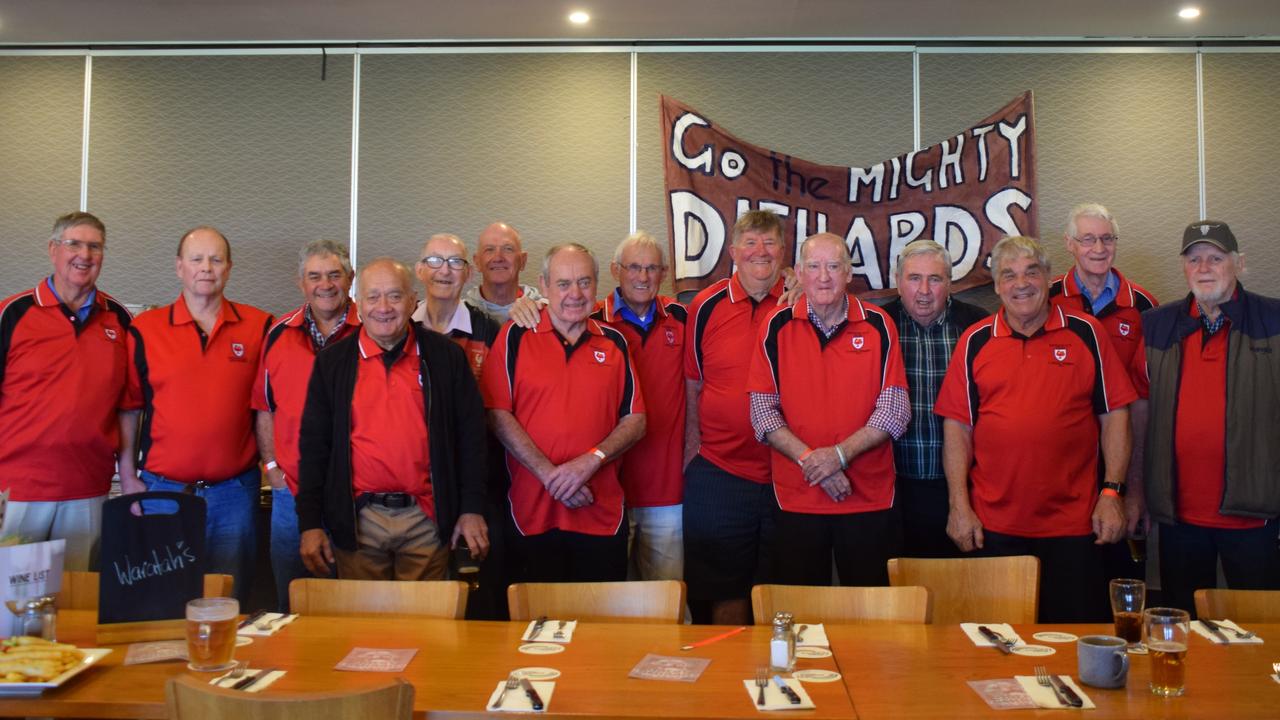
point(29, 665)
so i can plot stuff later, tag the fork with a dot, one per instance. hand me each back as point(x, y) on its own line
point(1042, 677)
point(237, 672)
point(1240, 634)
point(513, 682)
point(559, 633)
point(762, 679)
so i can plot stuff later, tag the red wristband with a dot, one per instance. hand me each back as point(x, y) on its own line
point(1108, 492)
point(803, 455)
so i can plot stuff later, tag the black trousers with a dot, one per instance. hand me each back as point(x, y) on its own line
point(860, 543)
point(1073, 586)
point(924, 508)
point(1189, 557)
point(563, 556)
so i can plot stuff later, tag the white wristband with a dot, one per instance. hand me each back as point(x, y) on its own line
point(600, 454)
point(271, 465)
point(844, 464)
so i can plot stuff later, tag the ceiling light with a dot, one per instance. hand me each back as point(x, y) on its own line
point(578, 17)
point(1189, 13)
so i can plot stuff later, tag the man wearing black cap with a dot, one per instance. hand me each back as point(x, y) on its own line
point(1213, 436)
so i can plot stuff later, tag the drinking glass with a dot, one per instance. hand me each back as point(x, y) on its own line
point(211, 633)
point(1128, 598)
point(1166, 631)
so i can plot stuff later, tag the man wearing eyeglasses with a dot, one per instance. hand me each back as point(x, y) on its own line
point(280, 391)
point(829, 394)
point(652, 471)
point(444, 271)
point(63, 365)
point(1095, 287)
point(500, 259)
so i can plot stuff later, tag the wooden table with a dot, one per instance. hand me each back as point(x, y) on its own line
point(922, 671)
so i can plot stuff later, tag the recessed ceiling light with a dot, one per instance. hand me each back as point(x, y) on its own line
point(578, 17)
point(1189, 13)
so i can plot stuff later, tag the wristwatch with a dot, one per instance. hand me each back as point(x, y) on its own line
point(1116, 487)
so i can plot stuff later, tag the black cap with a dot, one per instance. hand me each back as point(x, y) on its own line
point(1214, 232)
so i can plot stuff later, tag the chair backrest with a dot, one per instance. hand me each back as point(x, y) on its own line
point(984, 589)
point(1243, 606)
point(660, 601)
point(841, 605)
point(80, 589)
point(425, 598)
point(190, 698)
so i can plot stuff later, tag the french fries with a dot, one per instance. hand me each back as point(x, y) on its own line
point(32, 659)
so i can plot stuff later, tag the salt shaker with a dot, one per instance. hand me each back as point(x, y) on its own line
point(32, 618)
point(49, 611)
point(782, 646)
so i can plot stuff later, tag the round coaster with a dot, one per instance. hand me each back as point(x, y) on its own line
point(814, 675)
point(541, 648)
point(1032, 650)
point(1138, 649)
point(1055, 637)
point(242, 640)
point(536, 673)
point(812, 652)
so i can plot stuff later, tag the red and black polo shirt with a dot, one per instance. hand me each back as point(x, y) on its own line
point(720, 338)
point(1121, 318)
point(389, 423)
point(60, 383)
point(567, 397)
point(653, 469)
point(280, 386)
point(808, 371)
point(1033, 404)
point(193, 390)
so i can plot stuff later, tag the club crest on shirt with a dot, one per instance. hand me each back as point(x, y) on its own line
point(1124, 329)
point(237, 349)
point(110, 333)
point(858, 342)
point(1060, 354)
point(671, 337)
point(599, 355)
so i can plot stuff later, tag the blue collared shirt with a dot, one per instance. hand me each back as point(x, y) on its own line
point(82, 313)
point(1106, 297)
point(626, 313)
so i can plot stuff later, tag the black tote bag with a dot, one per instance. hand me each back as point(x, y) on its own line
point(151, 564)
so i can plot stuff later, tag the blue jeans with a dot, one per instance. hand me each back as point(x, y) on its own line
point(286, 561)
point(230, 529)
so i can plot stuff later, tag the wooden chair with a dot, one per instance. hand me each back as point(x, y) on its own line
point(994, 589)
point(80, 589)
point(1242, 606)
point(660, 601)
point(426, 598)
point(192, 698)
point(842, 605)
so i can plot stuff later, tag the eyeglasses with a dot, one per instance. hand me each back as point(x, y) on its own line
point(636, 269)
point(435, 261)
point(95, 248)
point(1091, 240)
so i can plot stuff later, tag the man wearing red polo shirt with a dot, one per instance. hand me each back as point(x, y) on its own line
point(1031, 396)
point(326, 316)
point(564, 400)
point(191, 372)
point(1213, 441)
point(728, 499)
point(832, 462)
point(62, 370)
point(652, 471)
point(392, 444)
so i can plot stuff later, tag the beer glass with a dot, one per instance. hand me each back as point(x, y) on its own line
point(1128, 598)
point(211, 633)
point(1166, 633)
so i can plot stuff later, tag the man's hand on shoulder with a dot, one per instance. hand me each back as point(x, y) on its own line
point(525, 312)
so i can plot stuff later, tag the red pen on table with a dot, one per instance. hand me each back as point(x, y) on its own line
point(716, 638)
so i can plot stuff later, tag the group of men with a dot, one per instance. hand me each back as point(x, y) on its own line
point(760, 434)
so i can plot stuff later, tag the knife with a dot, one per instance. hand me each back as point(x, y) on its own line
point(252, 619)
point(1217, 631)
point(997, 640)
point(537, 627)
point(1067, 693)
point(534, 700)
point(792, 695)
point(248, 682)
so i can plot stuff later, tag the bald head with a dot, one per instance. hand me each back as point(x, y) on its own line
point(500, 258)
point(443, 267)
point(386, 300)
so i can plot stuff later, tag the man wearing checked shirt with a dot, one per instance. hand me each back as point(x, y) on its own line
point(929, 322)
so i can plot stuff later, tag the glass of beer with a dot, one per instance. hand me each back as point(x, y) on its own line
point(1166, 631)
point(211, 633)
point(1128, 598)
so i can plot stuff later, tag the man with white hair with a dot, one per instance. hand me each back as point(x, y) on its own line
point(1032, 396)
point(444, 271)
point(1213, 438)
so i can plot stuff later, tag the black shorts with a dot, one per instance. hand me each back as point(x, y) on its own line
point(728, 533)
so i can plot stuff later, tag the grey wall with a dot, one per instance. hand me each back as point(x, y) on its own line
point(260, 146)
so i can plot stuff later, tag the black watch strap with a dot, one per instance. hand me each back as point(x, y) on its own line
point(1118, 487)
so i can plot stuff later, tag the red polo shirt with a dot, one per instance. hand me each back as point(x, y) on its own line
point(194, 395)
point(567, 398)
point(280, 386)
point(1122, 318)
point(1033, 404)
point(653, 469)
point(807, 371)
point(389, 424)
point(720, 340)
point(60, 382)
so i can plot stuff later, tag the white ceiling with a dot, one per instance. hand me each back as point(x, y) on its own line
point(82, 22)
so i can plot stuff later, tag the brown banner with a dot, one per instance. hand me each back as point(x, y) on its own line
point(966, 192)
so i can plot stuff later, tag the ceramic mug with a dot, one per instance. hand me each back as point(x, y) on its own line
point(1104, 661)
